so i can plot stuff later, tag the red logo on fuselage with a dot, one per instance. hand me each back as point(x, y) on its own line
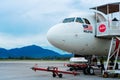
point(102, 28)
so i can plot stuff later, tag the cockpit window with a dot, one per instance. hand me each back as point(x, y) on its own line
point(86, 21)
point(79, 20)
point(67, 20)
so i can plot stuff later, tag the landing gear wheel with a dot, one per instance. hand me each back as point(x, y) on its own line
point(60, 75)
point(54, 75)
point(91, 71)
point(85, 71)
point(71, 69)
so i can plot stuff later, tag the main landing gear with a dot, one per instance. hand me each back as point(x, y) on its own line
point(88, 70)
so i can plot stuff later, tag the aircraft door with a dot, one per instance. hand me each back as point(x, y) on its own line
point(101, 23)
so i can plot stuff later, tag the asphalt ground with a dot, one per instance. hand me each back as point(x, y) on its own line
point(21, 70)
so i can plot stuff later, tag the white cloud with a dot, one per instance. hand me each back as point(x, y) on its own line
point(9, 41)
point(28, 15)
point(35, 7)
point(23, 17)
point(47, 8)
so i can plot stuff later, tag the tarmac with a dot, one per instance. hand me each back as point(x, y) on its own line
point(21, 70)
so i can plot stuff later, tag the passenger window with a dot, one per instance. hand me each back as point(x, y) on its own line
point(86, 21)
point(67, 20)
point(79, 20)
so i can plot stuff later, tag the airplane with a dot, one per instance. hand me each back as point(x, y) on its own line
point(88, 33)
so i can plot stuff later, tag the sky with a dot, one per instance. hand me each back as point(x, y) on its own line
point(26, 22)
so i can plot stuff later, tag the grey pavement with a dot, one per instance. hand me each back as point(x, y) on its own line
point(20, 70)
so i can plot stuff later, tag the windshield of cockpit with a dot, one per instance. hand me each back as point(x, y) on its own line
point(73, 19)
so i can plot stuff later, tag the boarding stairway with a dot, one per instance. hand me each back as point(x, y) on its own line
point(108, 26)
point(112, 66)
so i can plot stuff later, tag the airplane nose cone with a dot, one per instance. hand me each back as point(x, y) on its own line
point(62, 35)
point(54, 34)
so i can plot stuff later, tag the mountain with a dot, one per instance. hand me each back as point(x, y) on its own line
point(3, 53)
point(31, 51)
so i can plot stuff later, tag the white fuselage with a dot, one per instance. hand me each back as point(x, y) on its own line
point(71, 37)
